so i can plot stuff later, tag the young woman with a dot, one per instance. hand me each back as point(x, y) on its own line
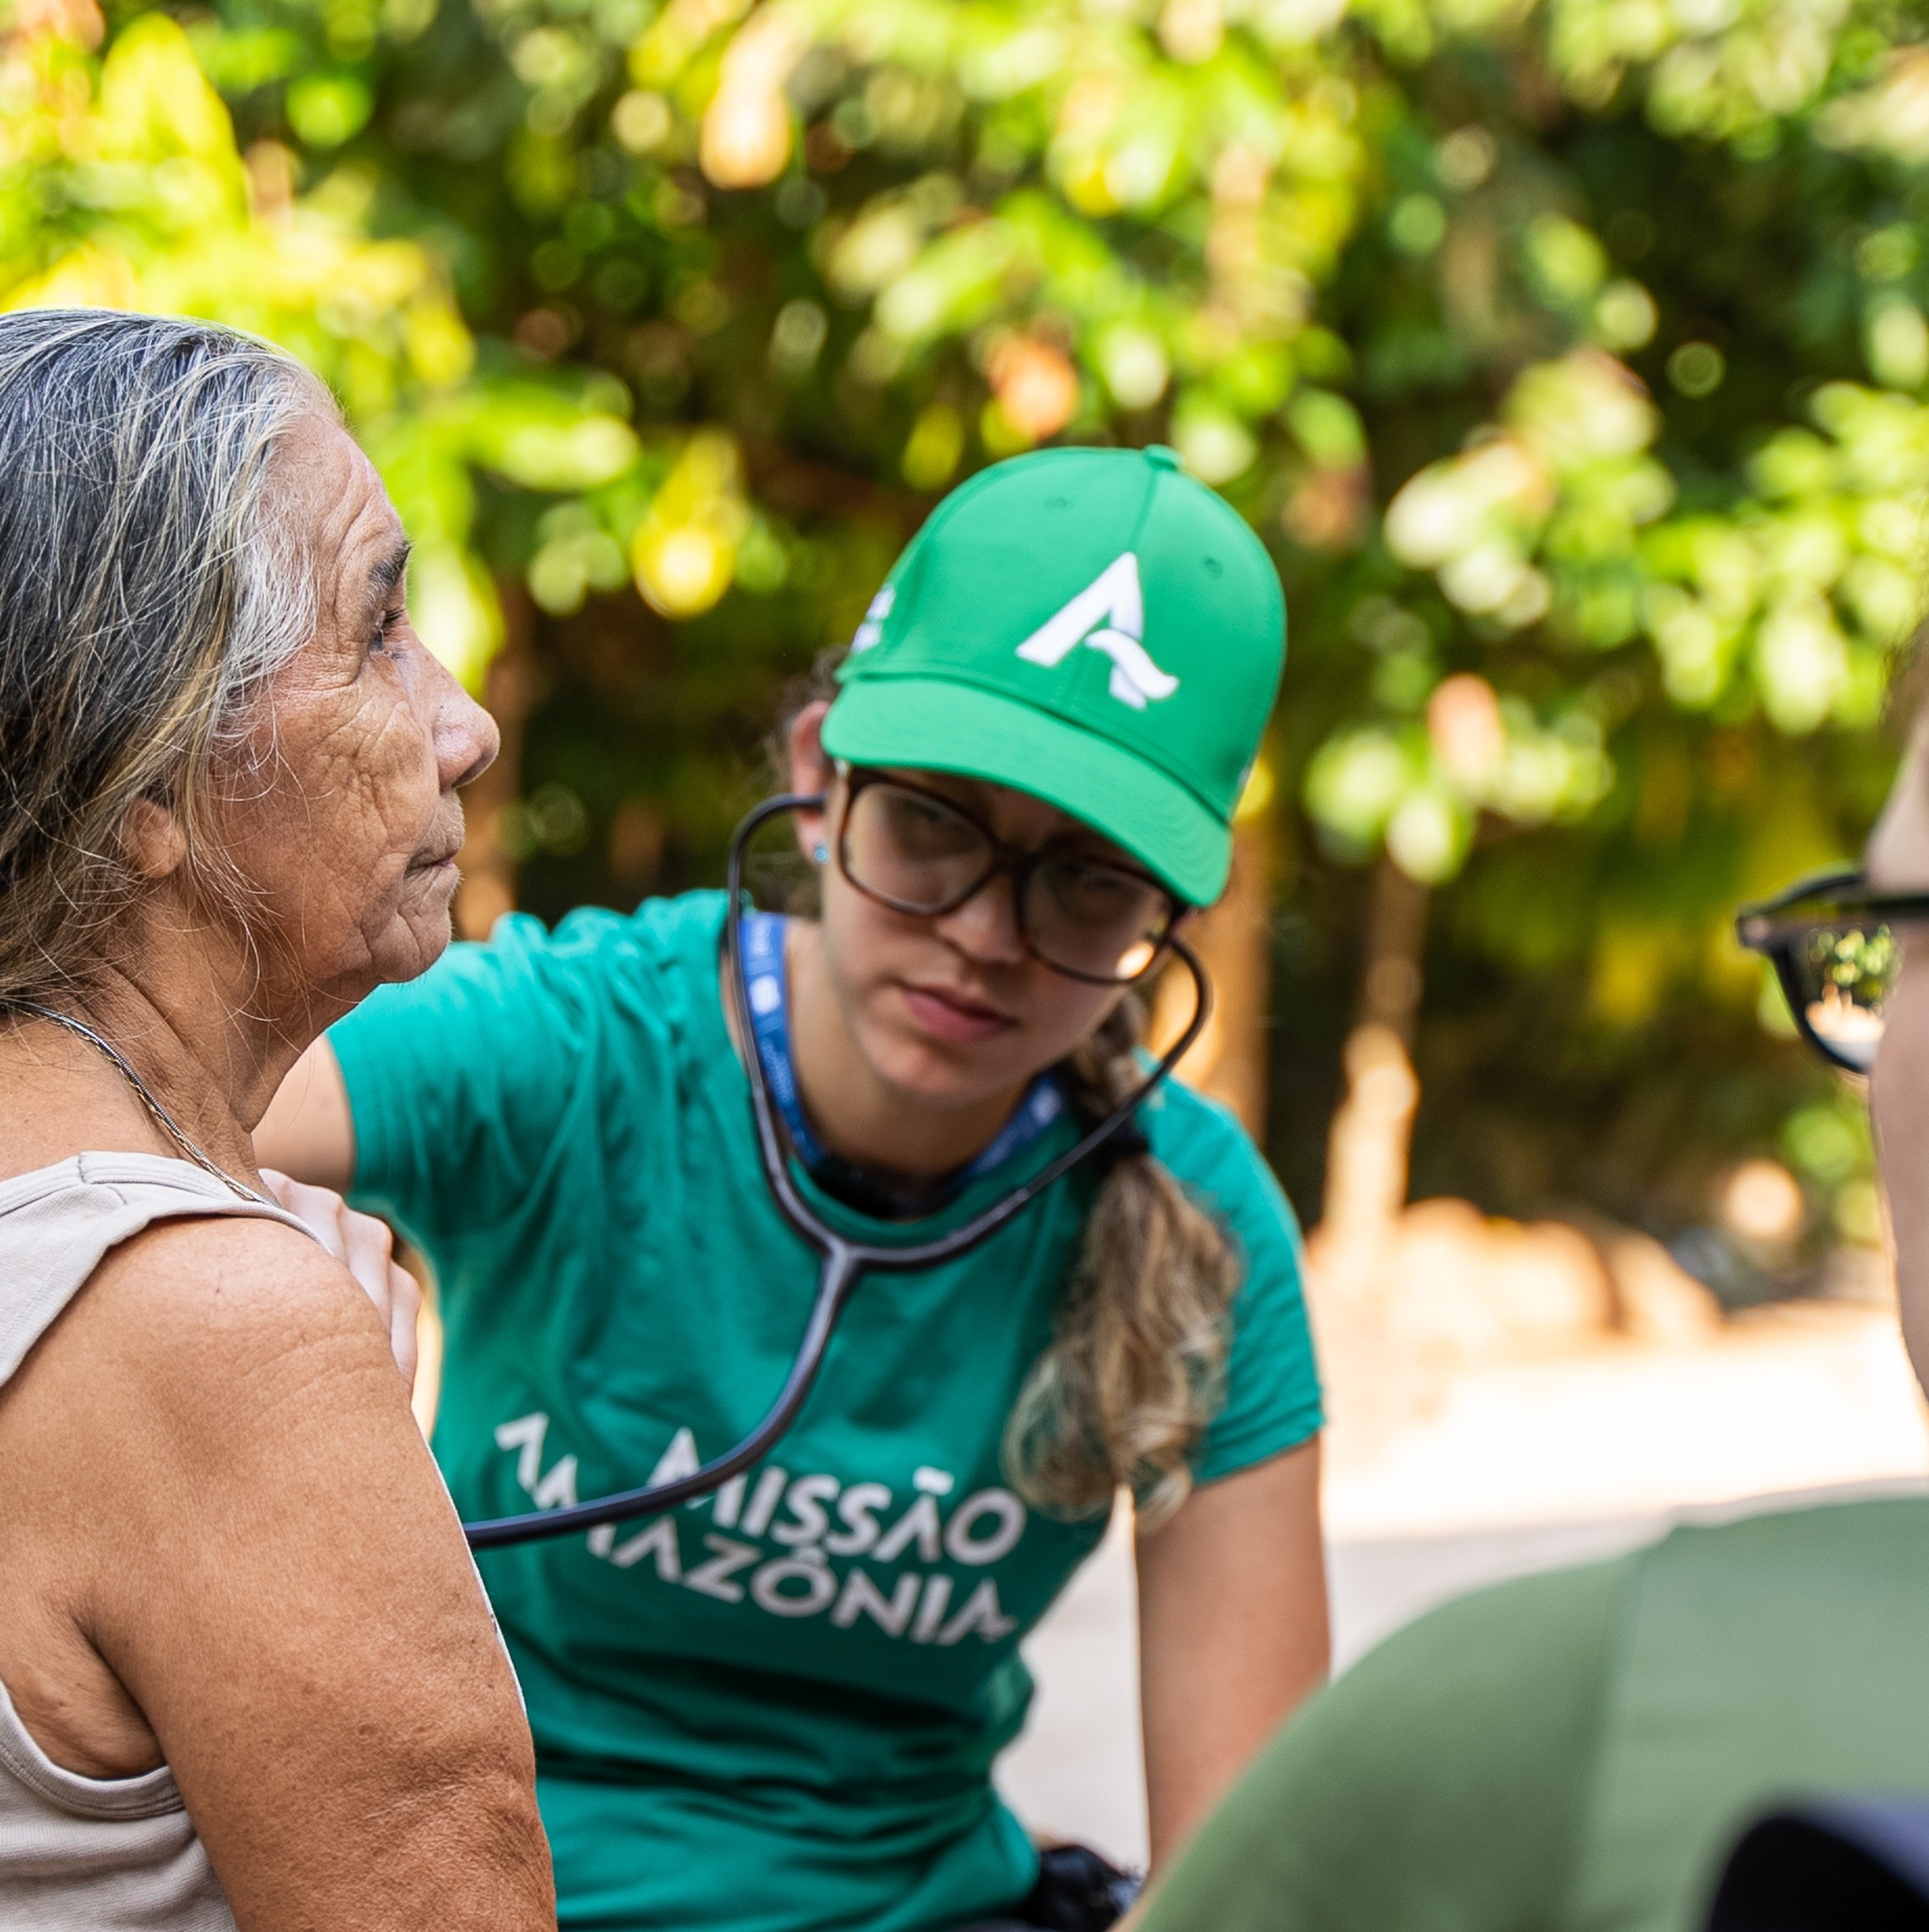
point(778, 1707)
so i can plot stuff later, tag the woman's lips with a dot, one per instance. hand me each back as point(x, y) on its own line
point(438, 873)
point(946, 1017)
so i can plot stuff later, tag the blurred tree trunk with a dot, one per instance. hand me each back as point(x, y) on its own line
point(1354, 1253)
point(1390, 980)
point(1372, 1135)
point(1233, 939)
point(488, 888)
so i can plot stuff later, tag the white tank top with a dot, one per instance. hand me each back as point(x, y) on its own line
point(89, 1854)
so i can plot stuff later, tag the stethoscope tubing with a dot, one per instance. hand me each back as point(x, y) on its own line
point(845, 1261)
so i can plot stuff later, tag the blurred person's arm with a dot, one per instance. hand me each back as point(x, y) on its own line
point(224, 1542)
point(308, 1133)
point(1897, 860)
point(366, 1247)
point(1232, 1627)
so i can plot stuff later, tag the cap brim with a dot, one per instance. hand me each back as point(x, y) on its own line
point(937, 725)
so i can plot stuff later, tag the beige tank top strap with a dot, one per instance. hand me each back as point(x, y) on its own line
point(57, 1223)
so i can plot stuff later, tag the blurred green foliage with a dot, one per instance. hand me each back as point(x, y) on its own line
point(1570, 357)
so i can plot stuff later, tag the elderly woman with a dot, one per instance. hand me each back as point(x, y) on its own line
point(247, 1675)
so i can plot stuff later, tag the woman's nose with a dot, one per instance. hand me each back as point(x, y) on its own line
point(985, 926)
point(467, 738)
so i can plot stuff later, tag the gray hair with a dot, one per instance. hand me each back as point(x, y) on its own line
point(145, 597)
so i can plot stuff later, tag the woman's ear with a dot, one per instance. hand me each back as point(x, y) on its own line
point(153, 839)
point(810, 772)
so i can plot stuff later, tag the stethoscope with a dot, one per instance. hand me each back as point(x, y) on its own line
point(845, 1261)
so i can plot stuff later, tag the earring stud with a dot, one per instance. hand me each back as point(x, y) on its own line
point(822, 855)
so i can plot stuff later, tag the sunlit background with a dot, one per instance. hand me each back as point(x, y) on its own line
point(1568, 357)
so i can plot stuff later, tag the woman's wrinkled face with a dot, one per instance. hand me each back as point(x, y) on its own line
point(952, 1010)
point(341, 807)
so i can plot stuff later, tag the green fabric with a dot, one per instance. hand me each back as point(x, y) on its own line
point(1576, 1753)
point(728, 1734)
point(1774, 1657)
point(1093, 626)
point(1434, 1788)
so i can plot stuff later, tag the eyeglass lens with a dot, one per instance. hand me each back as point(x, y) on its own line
point(1080, 914)
point(1843, 970)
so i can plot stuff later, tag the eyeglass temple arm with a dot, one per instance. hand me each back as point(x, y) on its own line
point(1847, 887)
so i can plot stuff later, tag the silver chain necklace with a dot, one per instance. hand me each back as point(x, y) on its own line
point(163, 1119)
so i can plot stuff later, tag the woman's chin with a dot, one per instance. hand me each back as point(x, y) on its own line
point(417, 936)
point(943, 1078)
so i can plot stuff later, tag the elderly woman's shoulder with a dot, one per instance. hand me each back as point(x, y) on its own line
point(205, 1299)
point(218, 1371)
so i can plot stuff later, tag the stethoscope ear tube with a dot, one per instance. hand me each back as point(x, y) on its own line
point(844, 1261)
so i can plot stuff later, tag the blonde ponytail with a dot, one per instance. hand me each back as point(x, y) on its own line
point(1136, 1369)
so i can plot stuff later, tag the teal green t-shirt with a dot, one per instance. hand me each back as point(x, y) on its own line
point(777, 1709)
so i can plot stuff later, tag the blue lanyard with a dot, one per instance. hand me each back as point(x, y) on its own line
point(1043, 1103)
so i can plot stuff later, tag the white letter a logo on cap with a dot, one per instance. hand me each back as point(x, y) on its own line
point(1109, 615)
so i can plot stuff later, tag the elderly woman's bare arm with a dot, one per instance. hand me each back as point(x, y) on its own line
point(222, 1541)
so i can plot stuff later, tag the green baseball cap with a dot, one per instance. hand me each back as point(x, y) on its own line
point(1089, 626)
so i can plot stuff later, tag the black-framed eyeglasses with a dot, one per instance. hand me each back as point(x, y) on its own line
point(918, 852)
point(1833, 941)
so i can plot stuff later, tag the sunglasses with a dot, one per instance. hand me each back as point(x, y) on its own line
point(917, 851)
point(1833, 940)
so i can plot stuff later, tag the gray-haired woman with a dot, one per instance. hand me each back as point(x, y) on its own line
point(247, 1675)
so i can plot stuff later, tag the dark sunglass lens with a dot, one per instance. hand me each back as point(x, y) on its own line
point(1844, 970)
point(911, 850)
point(1093, 920)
